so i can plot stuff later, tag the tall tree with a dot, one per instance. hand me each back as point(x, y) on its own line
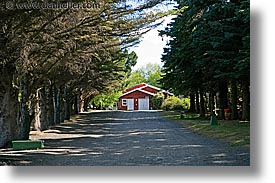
point(209, 48)
point(75, 49)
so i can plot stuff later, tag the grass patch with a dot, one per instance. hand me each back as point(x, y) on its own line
point(234, 132)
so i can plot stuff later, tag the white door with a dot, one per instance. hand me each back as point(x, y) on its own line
point(143, 104)
point(130, 104)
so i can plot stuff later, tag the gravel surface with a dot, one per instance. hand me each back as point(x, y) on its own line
point(117, 138)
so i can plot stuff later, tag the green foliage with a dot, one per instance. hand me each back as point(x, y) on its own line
point(185, 103)
point(131, 59)
point(150, 74)
point(210, 43)
point(157, 100)
point(153, 74)
point(175, 103)
point(80, 51)
point(209, 47)
point(104, 101)
point(135, 78)
point(84, 49)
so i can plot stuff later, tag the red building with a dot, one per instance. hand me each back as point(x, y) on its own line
point(139, 97)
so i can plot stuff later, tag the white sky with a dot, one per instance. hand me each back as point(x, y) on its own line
point(150, 48)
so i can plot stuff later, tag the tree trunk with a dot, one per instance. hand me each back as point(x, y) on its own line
point(8, 106)
point(76, 105)
point(212, 102)
point(197, 102)
point(223, 89)
point(58, 106)
point(67, 105)
point(192, 103)
point(40, 122)
point(246, 101)
point(202, 106)
point(234, 100)
point(54, 98)
point(51, 105)
point(37, 111)
point(25, 114)
point(81, 102)
point(61, 106)
point(47, 106)
point(86, 102)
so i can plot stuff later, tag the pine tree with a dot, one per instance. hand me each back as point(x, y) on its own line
point(209, 49)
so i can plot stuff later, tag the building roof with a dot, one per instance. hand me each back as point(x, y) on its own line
point(159, 89)
point(134, 87)
point(137, 89)
point(140, 87)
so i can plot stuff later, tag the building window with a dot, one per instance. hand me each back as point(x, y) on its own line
point(124, 102)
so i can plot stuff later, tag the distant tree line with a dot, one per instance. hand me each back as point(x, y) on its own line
point(150, 74)
point(207, 58)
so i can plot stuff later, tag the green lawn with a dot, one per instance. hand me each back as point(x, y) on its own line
point(234, 132)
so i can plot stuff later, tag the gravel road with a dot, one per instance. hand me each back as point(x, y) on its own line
point(126, 138)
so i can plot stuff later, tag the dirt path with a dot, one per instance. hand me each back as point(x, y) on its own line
point(126, 138)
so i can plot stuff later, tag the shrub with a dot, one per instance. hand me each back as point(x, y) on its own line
point(175, 103)
point(185, 103)
point(157, 100)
